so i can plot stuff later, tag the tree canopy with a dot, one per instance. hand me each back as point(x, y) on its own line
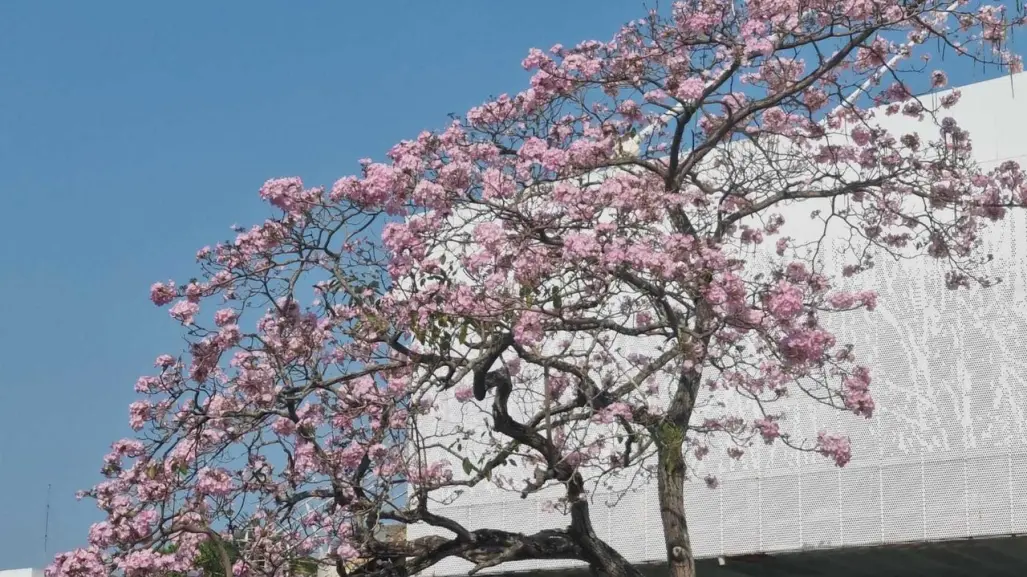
point(644, 189)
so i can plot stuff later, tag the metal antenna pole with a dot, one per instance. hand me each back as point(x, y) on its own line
point(46, 522)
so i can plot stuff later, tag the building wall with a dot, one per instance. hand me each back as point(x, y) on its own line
point(944, 457)
point(21, 573)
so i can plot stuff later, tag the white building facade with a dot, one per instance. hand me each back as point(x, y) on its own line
point(21, 573)
point(944, 459)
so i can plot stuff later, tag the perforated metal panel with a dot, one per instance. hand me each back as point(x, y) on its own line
point(632, 510)
point(945, 455)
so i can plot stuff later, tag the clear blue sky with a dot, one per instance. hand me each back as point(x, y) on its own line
point(133, 133)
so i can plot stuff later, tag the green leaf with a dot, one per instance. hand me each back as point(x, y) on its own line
point(468, 467)
point(557, 299)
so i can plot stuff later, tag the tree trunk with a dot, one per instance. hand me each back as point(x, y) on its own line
point(671, 488)
point(601, 557)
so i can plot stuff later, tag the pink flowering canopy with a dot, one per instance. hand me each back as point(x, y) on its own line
point(643, 189)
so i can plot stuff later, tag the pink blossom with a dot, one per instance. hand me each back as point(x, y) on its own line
point(690, 89)
point(835, 447)
point(139, 413)
point(580, 246)
point(528, 329)
point(856, 392)
point(148, 384)
point(225, 316)
point(848, 299)
point(163, 293)
point(575, 458)
point(283, 426)
point(434, 473)
point(768, 428)
point(193, 292)
point(464, 394)
point(431, 194)
point(951, 99)
point(613, 412)
point(643, 318)
point(496, 184)
point(804, 344)
point(535, 59)
point(861, 136)
point(184, 311)
point(214, 482)
point(86, 562)
point(797, 272)
point(513, 367)
point(786, 301)
point(164, 361)
point(347, 552)
point(288, 194)
point(533, 149)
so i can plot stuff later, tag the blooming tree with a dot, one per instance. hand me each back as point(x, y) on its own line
point(641, 188)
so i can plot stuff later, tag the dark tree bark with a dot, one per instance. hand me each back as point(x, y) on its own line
point(671, 488)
